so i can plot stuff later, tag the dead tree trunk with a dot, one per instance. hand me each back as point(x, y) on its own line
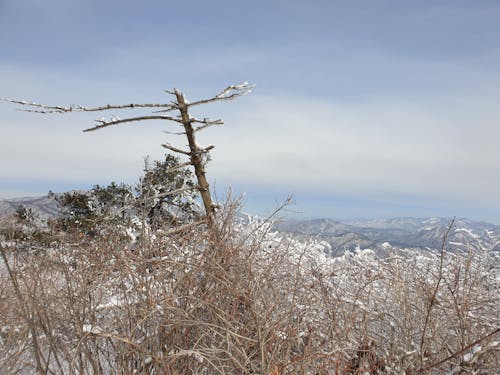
point(196, 156)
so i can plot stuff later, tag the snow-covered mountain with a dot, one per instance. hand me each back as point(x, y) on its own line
point(406, 232)
point(378, 234)
point(45, 207)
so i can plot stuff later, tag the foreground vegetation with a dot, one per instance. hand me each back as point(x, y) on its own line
point(243, 300)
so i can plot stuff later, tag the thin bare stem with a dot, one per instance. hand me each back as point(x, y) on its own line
point(104, 124)
point(25, 312)
point(433, 300)
point(78, 108)
point(175, 149)
point(462, 351)
point(229, 93)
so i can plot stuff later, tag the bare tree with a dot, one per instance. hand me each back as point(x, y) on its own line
point(197, 155)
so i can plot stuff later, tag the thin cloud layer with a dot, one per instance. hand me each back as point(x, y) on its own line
point(389, 103)
point(306, 143)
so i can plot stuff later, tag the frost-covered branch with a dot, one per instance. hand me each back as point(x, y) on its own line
point(206, 123)
point(79, 108)
point(433, 298)
point(175, 149)
point(115, 121)
point(229, 93)
point(493, 346)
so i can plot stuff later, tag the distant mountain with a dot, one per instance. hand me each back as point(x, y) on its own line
point(45, 206)
point(377, 234)
point(408, 232)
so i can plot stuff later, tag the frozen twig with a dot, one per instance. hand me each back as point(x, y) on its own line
point(433, 298)
point(104, 123)
point(229, 93)
point(462, 351)
point(185, 227)
point(175, 149)
point(206, 123)
point(79, 108)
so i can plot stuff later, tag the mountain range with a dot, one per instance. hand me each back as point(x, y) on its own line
point(45, 206)
point(380, 235)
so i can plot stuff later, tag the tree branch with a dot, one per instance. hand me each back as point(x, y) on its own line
point(104, 124)
point(206, 123)
point(460, 352)
point(229, 93)
point(78, 108)
point(175, 149)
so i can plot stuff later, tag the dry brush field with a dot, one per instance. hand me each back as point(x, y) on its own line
point(243, 300)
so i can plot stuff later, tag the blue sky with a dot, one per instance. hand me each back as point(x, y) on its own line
point(361, 109)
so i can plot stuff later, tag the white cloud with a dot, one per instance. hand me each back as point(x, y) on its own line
point(380, 145)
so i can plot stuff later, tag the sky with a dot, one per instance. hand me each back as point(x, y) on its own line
point(361, 108)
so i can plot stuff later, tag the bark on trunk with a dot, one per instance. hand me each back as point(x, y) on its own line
point(196, 156)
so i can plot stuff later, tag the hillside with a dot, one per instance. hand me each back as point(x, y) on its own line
point(384, 234)
point(380, 235)
point(46, 207)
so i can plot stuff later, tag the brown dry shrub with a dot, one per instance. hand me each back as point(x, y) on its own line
point(242, 300)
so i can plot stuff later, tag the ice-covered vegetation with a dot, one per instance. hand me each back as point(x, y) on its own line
point(243, 301)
